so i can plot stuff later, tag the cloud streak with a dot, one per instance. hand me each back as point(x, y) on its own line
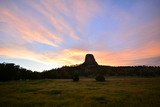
point(26, 29)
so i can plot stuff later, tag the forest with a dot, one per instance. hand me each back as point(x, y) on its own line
point(11, 71)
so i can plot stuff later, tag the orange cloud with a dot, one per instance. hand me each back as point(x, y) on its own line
point(19, 53)
point(76, 56)
point(126, 57)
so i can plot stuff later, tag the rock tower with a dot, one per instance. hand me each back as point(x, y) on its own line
point(89, 60)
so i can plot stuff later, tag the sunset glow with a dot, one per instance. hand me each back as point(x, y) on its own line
point(45, 34)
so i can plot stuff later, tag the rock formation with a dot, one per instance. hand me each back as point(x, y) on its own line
point(89, 60)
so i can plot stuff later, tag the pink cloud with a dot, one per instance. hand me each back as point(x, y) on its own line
point(53, 11)
point(84, 10)
point(29, 29)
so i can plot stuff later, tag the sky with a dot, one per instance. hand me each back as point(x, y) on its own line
point(44, 34)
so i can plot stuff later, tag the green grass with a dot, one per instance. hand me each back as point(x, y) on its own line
point(115, 92)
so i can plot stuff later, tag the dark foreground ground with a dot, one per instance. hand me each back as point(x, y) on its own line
point(115, 92)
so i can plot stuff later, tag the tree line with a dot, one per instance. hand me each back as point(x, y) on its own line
point(10, 71)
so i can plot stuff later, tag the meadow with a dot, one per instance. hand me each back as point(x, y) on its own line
point(114, 92)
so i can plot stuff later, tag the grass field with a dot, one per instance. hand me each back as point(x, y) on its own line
point(115, 92)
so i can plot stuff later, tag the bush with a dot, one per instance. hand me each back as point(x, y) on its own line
point(75, 77)
point(100, 78)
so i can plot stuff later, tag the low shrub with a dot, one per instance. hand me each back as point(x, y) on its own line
point(100, 78)
point(75, 77)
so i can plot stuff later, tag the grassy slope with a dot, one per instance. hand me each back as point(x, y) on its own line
point(116, 91)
